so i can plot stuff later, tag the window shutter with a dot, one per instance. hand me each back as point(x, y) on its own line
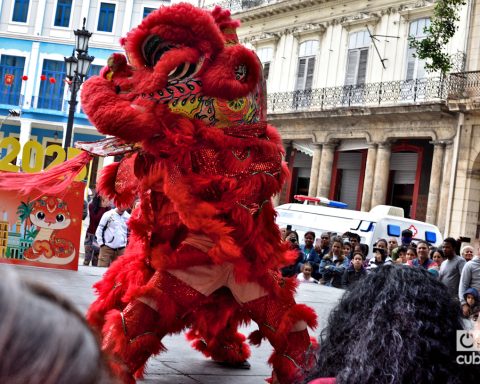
point(352, 61)
point(301, 74)
point(411, 64)
point(362, 67)
point(266, 70)
point(309, 75)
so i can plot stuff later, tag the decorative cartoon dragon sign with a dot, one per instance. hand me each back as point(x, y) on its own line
point(188, 110)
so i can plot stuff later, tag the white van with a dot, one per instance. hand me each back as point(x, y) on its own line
point(383, 221)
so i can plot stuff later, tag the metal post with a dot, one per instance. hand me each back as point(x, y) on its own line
point(71, 113)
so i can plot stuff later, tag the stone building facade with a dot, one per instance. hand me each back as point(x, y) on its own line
point(361, 119)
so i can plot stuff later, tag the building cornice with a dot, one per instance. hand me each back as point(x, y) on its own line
point(56, 40)
point(278, 8)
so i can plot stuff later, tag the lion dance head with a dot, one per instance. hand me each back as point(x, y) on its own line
point(185, 69)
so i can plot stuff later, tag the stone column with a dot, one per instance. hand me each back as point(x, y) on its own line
point(84, 14)
point(368, 178)
point(25, 133)
point(325, 174)
point(317, 154)
point(39, 18)
point(382, 170)
point(127, 18)
point(445, 186)
point(435, 181)
point(33, 67)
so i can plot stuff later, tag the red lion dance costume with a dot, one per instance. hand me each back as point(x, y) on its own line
point(189, 111)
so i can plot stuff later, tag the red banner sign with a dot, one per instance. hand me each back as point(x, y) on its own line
point(42, 231)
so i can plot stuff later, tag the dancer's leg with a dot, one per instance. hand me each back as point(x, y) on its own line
point(214, 330)
point(131, 336)
point(284, 323)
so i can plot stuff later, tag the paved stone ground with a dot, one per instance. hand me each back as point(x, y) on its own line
point(181, 364)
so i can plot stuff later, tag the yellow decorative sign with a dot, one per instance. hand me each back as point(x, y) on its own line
point(33, 156)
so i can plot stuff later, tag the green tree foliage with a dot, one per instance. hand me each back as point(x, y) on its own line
point(442, 28)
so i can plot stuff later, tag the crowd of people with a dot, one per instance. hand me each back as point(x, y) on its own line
point(340, 261)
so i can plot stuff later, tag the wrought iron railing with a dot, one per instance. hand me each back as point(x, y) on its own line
point(240, 5)
point(464, 85)
point(387, 93)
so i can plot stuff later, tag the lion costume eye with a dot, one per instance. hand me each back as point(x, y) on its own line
point(40, 215)
point(154, 48)
point(185, 70)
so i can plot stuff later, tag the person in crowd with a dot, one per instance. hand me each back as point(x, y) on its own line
point(423, 261)
point(401, 255)
point(354, 240)
point(292, 270)
point(411, 253)
point(392, 244)
point(306, 275)
point(382, 243)
point(44, 339)
point(471, 308)
point(324, 246)
point(355, 270)
point(310, 253)
point(283, 233)
point(467, 252)
point(97, 207)
point(470, 278)
point(437, 255)
point(347, 249)
point(112, 235)
point(363, 249)
point(452, 267)
point(379, 259)
point(407, 236)
point(334, 264)
point(397, 325)
point(405, 241)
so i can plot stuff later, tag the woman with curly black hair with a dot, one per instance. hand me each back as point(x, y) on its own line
point(398, 325)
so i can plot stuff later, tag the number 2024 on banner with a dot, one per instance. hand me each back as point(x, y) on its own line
point(33, 156)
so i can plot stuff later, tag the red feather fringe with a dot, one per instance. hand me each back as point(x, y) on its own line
point(53, 181)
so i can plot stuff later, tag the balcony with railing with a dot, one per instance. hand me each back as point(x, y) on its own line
point(388, 93)
point(241, 5)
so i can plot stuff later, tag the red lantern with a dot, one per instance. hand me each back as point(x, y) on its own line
point(43, 77)
point(24, 77)
point(52, 80)
point(8, 79)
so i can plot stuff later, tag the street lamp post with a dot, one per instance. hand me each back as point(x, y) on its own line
point(77, 68)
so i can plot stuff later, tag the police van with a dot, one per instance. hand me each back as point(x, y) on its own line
point(383, 221)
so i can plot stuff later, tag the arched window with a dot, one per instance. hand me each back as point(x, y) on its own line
point(306, 64)
point(357, 58)
point(415, 66)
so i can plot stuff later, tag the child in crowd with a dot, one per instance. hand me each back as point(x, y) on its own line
point(411, 253)
point(472, 301)
point(379, 258)
point(306, 275)
point(401, 255)
point(347, 249)
point(355, 271)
